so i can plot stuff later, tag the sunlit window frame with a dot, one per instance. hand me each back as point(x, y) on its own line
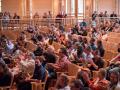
point(0, 5)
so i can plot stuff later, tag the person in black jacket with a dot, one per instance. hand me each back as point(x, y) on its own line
point(38, 51)
point(100, 48)
point(39, 72)
point(5, 75)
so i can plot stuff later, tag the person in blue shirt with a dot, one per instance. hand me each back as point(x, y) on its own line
point(83, 24)
point(39, 72)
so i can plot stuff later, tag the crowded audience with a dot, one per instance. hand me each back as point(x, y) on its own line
point(55, 51)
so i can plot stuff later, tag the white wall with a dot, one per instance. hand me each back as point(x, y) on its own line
point(41, 6)
point(12, 6)
point(106, 5)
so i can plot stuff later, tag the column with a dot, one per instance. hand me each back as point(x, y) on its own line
point(76, 8)
point(30, 9)
point(27, 8)
point(117, 7)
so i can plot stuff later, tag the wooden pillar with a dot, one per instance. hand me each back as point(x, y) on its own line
point(117, 3)
point(28, 8)
point(60, 5)
point(88, 8)
point(76, 8)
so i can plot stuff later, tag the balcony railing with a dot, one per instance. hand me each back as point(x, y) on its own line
point(23, 23)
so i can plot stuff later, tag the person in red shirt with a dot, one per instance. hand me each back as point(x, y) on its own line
point(100, 83)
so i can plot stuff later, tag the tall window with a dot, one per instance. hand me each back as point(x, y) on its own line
point(72, 7)
point(0, 5)
point(80, 7)
point(31, 9)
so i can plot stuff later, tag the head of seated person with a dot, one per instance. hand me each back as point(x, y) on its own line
point(83, 76)
point(92, 44)
point(114, 79)
point(102, 74)
point(77, 85)
point(63, 82)
point(88, 51)
point(63, 52)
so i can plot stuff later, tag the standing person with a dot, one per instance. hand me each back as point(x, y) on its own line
point(49, 18)
point(94, 15)
point(113, 15)
point(5, 20)
point(16, 17)
point(59, 18)
point(105, 14)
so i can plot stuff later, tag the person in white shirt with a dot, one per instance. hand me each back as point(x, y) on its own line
point(9, 46)
point(28, 65)
point(89, 58)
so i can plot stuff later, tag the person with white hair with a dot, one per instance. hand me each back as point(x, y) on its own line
point(28, 64)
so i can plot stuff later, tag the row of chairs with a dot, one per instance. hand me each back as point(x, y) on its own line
point(110, 46)
point(72, 72)
point(114, 34)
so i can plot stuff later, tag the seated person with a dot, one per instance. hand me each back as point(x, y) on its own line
point(27, 67)
point(39, 72)
point(39, 50)
point(100, 48)
point(100, 83)
point(27, 64)
point(80, 55)
point(30, 29)
point(1, 57)
point(49, 55)
point(5, 75)
point(83, 76)
point(114, 79)
point(22, 80)
point(77, 85)
point(62, 83)
point(92, 44)
point(21, 42)
point(98, 61)
point(9, 46)
point(89, 58)
point(61, 65)
point(83, 23)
